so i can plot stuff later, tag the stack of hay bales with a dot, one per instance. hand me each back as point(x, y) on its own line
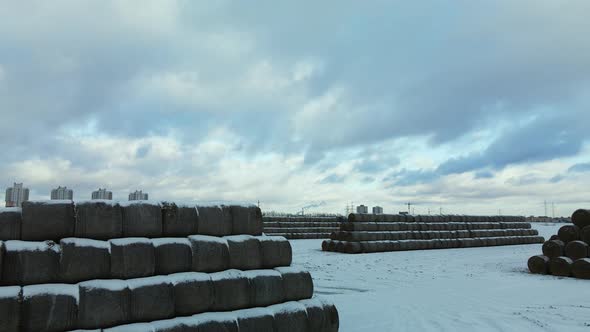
point(142, 266)
point(365, 233)
point(567, 253)
point(301, 227)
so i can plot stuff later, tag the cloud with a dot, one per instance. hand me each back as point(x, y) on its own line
point(579, 168)
point(333, 178)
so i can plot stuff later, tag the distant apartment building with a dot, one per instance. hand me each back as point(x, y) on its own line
point(362, 209)
point(62, 193)
point(102, 194)
point(138, 195)
point(377, 210)
point(16, 195)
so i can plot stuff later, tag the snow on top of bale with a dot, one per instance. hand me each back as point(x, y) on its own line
point(11, 209)
point(170, 240)
point(51, 202)
point(136, 327)
point(239, 238)
point(130, 240)
point(78, 242)
point(290, 269)
point(51, 289)
point(253, 312)
point(17, 245)
point(147, 202)
point(207, 238)
point(272, 238)
point(227, 275)
point(109, 284)
point(287, 307)
point(95, 201)
point(9, 292)
point(262, 273)
point(179, 278)
point(214, 203)
point(216, 317)
point(147, 281)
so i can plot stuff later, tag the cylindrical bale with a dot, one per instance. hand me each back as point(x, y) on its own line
point(213, 322)
point(103, 303)
point(27, 263)
point(569, 233)
point(151, 298)
point(140, 327)
point(210, 253)
point(331, 246)
point(142, 219)
point(173, 255)
point(84, 259)
point(244, 252)
point(10, 308)
point(246, 220)
point(47, 220)
point(297, 283)
point(99, 219)
point(539, 264)
point(322, 315)
point(325, 244)
point(290, 316)
point(51, 307)
point(585, 234)
point(266, 287)
point(576, 250)
point(132, 258)
point(255, 320)
point(581, 218)
point(581, 268)
point(554, 248)
point(179, 220)
point(561, 266)
point(231, 290)
point(10, 223)
point(339, 246)
point(352, 247)
point(215, 220)
point(193, 292)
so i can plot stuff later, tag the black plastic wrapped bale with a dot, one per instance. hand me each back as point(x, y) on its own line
point(561, 266)
point(132, 258)
point(585, 234)
point(297, 283)
point(255, 320)
point(47, 220)
point(84, 259)
point(581, 268)
point(142, 219)
point(27, 263)
point(581, 218)
point(231, 290)
point(179, 220)
point(276, 251)
point(173, 255)
point(576, 250)
point(99, 219)
point(290, 316)
point(266, 287)
point(10, 305)
point(244, 252)
point(539, 264)
point(51, 307)
point(246, 220)
point(10, 223)
point(193, 292)
point(322, 315)
point(139, 327)
point(210, 253)
point(152, 298)
point(103, 303)
point(216, 322)
point(215, 220)
point(569, 233)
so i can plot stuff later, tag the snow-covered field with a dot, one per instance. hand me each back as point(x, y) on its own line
point(472, 289)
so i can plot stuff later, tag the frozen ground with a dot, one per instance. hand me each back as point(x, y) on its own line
point(472, 289)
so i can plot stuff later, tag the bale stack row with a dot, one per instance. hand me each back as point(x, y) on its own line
point(567, 253)
point(144, 266)
point(301, 227)
point(378, 233)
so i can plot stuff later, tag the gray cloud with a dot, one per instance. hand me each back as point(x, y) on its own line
point(579, 168)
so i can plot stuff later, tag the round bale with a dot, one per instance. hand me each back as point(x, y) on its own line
point(569, 233)
point(581, 218)
point(576, 250)
point(538, 264)
point(561, 266)
point(581, 268)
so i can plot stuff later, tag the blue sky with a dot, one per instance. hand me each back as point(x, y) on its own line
point(468, 106)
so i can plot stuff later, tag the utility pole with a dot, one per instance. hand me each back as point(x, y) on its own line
point(553, 209)
point(409, 207)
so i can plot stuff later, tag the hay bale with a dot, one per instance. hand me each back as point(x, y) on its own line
point(231, 290)
point(50, 307)
point(132, 258)
point(569, 233)
point(103, 303)
point(266, 287)
point(255, 320)
point(325, 245)
point(172, 255)
point(137, 327)
point(585, 234)
point(290, 317)
point(244, 252)
point(179, 221)
point(297, 283)
point(246, 220)
point(576, 250)
point(99, 219)
point(142, 219)
point(561, 266)
point(322, 316)
point(352, 248)
point(193, 292)
point(581, 268)
point(276, 251)
point(210, 253)
point(10, 223)
point(151, 298)
point(84, 259)
point(47, 220)
point(581, 218)
point(539, 264)
point(215, 220)
point(27, 263)
point(215, 322)
point(10, 305)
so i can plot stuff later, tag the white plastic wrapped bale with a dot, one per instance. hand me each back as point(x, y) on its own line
point(27, 263)
point(244, 252)
point(49, 307)
point(255, 320)
point(103, 303)
point(152, 298)
point(10, 223)
point(10, 302)
point(290, 317)
point(99, 219)
point(47, 220)
point(231, 290)
point(266, 287)
point(297, 283)
point(322, 315)
point(193, 292)
point(132, 258)
point(84, 259)
point(276, 251)
point(179, 219)
point(215, 220)
point(246, 220)
point(210, 253)
point(172, 255)
point(143, 219)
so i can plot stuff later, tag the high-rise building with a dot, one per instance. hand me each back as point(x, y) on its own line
point(16, 195)
point(377, 210)
point(62, 193)
point(102, 194)
point(138, 195)
point(362, 209)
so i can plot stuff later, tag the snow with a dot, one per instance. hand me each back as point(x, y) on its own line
point(147, 281)
point(239, 238)
point(51, 289)
point(52, 202)
point(170, 240)
point(110, 284)
point(271, 238)
point(94, 201)
point(130, 240)
point(79, 242)
point(11, 209)
point(207, 238)
point(469, 289)
point(179, 278)
point(130, 203)
point(17, 245)
point(9, 291)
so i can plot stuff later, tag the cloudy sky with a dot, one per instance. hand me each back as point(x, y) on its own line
point(469, 106)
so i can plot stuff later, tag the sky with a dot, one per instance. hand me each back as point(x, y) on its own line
point(469, 107)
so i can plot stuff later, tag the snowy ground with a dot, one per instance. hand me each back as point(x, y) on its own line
point(472, 289)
